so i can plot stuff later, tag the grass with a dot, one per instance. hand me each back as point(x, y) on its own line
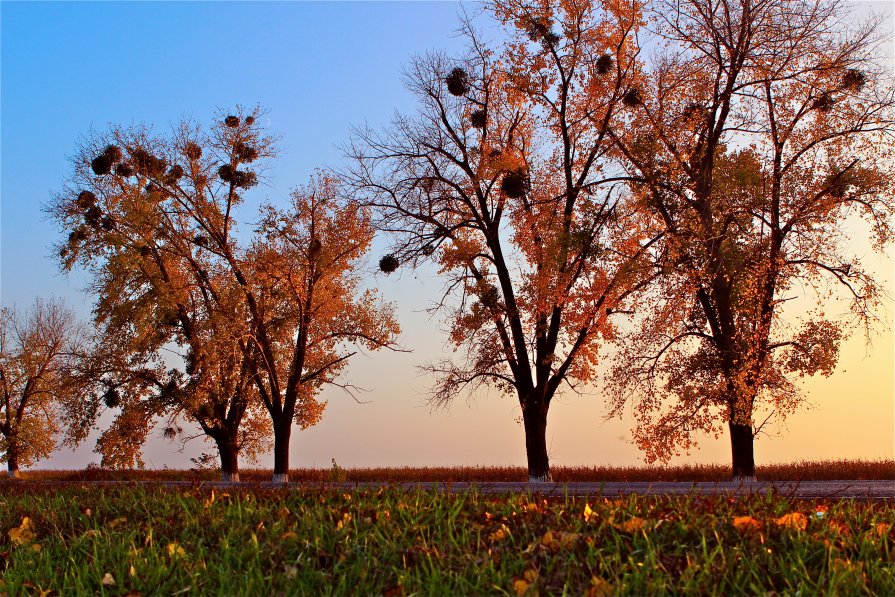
point(800, 471)
point(151, 539)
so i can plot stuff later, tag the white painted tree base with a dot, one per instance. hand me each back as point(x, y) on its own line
point(230, 477)
point(13, 473)
point(545, 479)
point(280, 479)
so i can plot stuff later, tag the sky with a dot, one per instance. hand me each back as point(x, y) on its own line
point(317, 68)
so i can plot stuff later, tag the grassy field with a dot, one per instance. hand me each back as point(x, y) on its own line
point(71, 539)
point(800, 471)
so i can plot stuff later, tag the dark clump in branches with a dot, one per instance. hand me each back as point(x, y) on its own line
point(824, 102)
point(111, 398)
point(238, 178)
point(85, 200)
point(77, 235)
point(93, 216)
point(201, 240)
point(478, 119)
point(632, 97)
point(250, 120)
point(245, 153)
point(107, 223)
point(175, 173)
point(101, 165)
point(124, 169)
point(389, 263)
point(146, 163)
point(853, 79)
point(540, 30)
point(192, 151)
point(514, 184)
point(457, 82)
point(604, 64)
point(232, 121)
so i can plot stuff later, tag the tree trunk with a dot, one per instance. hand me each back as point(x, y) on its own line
point(12, 459)
point(228, 451)
point(281, 433)
point(534, 419)
point(742, 450)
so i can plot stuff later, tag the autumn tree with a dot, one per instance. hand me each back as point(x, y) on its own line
point(309, 310)
point(763, 127)
point(40, 356)
point(154, 218)
point(504, 177)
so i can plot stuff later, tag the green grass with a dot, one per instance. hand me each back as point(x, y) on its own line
point(158, 540)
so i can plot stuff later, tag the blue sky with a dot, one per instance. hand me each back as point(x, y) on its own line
point(67, 68)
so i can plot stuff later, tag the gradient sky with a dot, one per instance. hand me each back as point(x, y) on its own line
point(67, 68)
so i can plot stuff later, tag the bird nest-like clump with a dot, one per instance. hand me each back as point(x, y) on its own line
point(604, 64)
point(389, 263)
point(85, 200)
point(232, 121)
point(824, 102)
point(245, 153)
point(514, 184)
point(147, 164)
point(111, 398)
point(192, 151)
point(632, 97)
point(854, 79)
point(457, 82)
point(238, 178)
point(478, 119)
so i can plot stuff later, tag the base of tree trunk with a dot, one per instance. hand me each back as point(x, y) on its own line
point(280, 479)
point(230, 477)
point(548, 478)
point(742, 447)
point(13, 473)
point(744, 479)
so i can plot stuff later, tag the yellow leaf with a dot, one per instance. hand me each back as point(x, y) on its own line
point(599, 587)
point(210, 500)
point(632, 525)
point(555, 541)
point(108, 580)
point(117, 521)
point(500, 534)
point(92, 533)
point(794, 520)
point(520, 586)
point(882, 529)
point(746, 524)
point(36, 547)
point(175, 550)
point(22, 534)
point(531, 575)
point(346, 518)
point(289, 536)
point(588, 513)
point(132, 571)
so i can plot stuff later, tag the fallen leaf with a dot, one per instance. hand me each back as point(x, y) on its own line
point(882, 529)
point(631, 525)
point(554, 541)
point(599, 588)
point(175, 550)
point(520, 587)
point(289, 536)
point(22, 534)
point(500, 534)
point(794, 520)
point(117, 522)
point(108, 580)
point(746, 524)
point(588, 513)
point(346, 518)
point(36, 547)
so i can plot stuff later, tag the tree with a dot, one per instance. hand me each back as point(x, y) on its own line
point(764, 126)
point(308, 310)
point(504, 178)
point(154, 219)
point(40, 354)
